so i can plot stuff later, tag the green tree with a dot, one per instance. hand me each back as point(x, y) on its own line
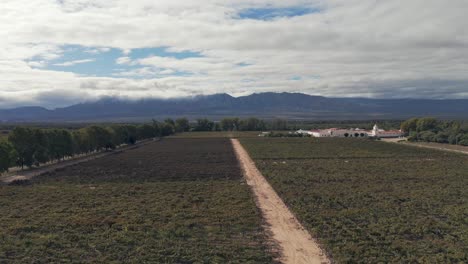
point(41, 147)
point(182, 125)
point(8, 155)
point(168, 127)
point(157, 128)
point(441, 137)
point(81, 141)
point(204, 124)
point(169, 121)
point(229, 124)
point(463, 140)
point(427, 136)
point(100, 137)
point(409, 125)
point(279, 124)
point(252, 124)
point(145, 131)
point(124, 134)
point(60, 142)
point(427, 123)
point(23, 141)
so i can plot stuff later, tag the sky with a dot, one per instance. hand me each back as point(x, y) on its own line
point(55, 53)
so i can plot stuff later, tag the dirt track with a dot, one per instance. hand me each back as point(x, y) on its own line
point(431, 145)
point(296, 244)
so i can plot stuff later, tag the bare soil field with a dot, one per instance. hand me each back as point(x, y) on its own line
point(174, 201)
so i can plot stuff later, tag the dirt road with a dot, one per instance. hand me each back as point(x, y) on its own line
point(444, 147)
point(296, 244)
point(431, 145)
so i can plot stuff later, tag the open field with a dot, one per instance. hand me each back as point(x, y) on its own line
point(174, 201)
point(370, 201)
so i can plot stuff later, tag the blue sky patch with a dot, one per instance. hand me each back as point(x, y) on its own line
point(162, 52)
point(244, 64)
point(101, 62)
point(269, 13)
point(295, 78)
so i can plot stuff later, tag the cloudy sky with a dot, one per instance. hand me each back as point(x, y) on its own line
point(58, 52)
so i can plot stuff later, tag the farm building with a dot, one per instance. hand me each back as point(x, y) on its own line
point(354, 132)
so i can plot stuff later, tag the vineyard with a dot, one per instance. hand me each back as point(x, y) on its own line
point(173, 201)
point(369, 201)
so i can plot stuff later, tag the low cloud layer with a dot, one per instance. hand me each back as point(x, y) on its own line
point(55, 53)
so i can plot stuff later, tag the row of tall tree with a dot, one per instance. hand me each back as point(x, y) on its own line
point(237, 124)
point(429, 129)
point(29, 147)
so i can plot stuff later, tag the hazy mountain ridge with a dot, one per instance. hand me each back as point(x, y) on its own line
point(293, 105)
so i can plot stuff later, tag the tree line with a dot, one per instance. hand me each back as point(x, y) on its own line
point(27, 146)
point(428, 129)
point(237, 124)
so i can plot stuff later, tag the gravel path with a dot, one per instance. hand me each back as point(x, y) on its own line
point(296, 244)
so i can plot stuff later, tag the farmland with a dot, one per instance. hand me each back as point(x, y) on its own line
point(217, 134)
point(368, 201)
point(174, 201)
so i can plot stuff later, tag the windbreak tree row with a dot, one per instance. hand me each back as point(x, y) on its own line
point(237, 124)
point(30, 147)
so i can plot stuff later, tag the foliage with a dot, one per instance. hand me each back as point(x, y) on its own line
point(252, 124)
point(288, 134)
point(204, 124)
point(23, 140)
point(216, 134)
point(255, 124)
point(429, 129)
point(8, 155)
point(182, 125)
point(230, 124)
point(34, 146)
point(172, 201)
point(371, 202)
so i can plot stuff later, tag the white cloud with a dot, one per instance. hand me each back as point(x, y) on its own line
point(98, 50)
point(123, 60)
point(394, 48)
point(74, 62)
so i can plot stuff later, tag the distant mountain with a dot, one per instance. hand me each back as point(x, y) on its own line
point(265, 105)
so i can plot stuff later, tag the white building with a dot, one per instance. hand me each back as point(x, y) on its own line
point(302, 132)
point(380, 133)
point(338, 132)
point(354, 132)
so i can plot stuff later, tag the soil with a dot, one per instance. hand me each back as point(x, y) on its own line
point(295, 243)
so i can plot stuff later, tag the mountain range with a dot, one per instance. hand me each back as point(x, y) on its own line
point(264, 105)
